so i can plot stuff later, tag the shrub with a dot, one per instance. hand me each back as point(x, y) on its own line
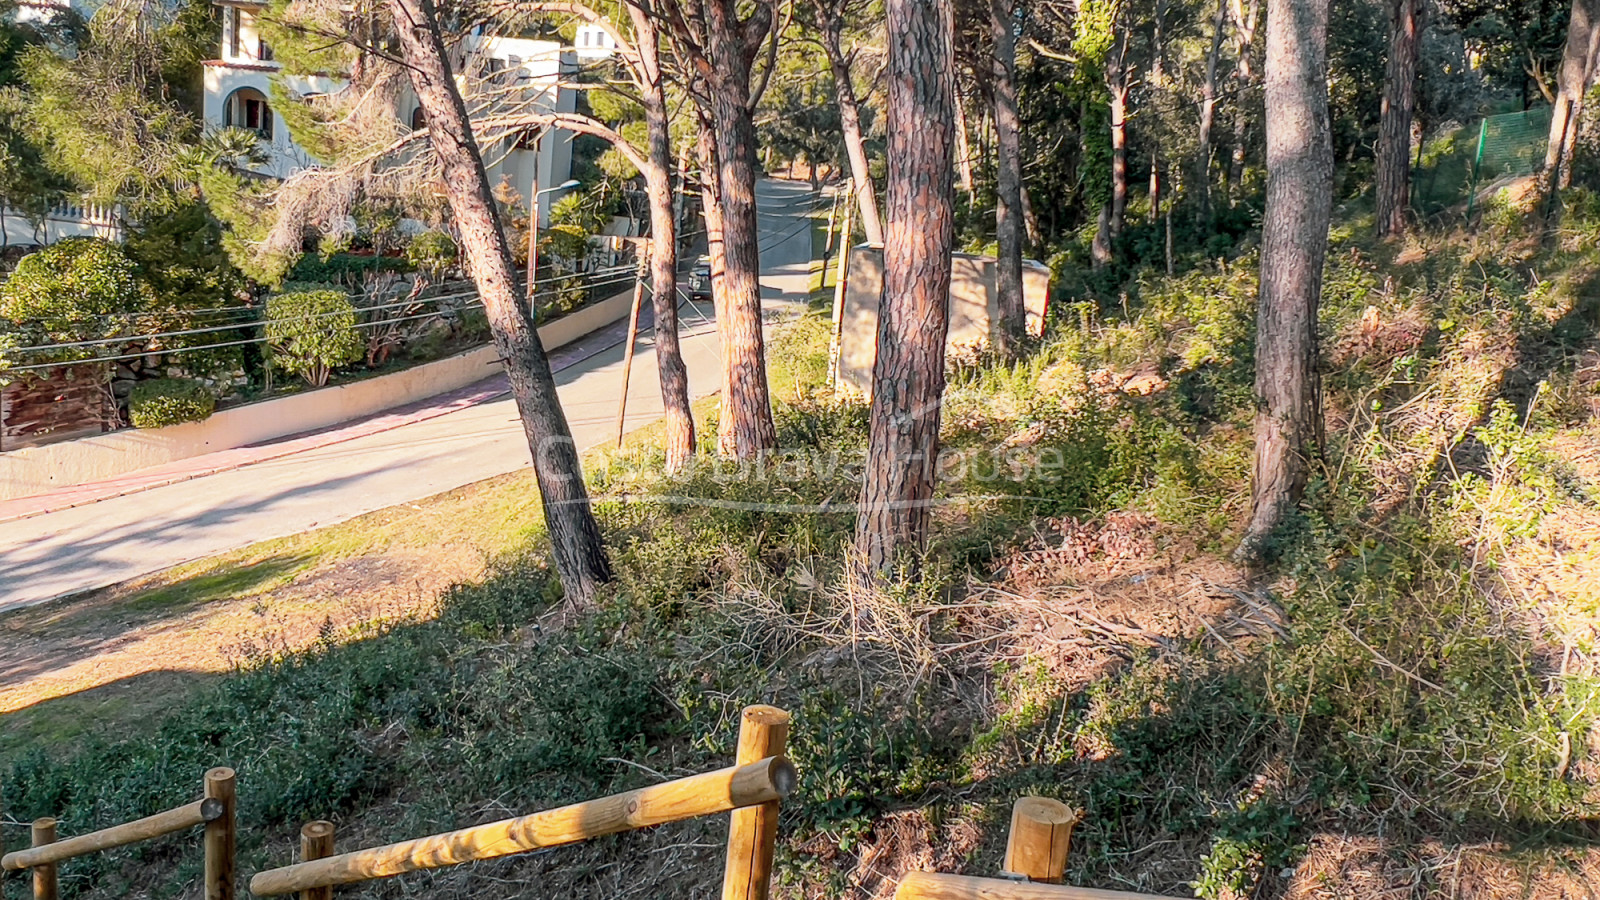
point(433, 254)
point(180, 255)
point(170, 401)
point(77, 290)
point(343, 268)
point(312, 332)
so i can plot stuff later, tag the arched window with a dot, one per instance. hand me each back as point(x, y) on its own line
point(419, 119)
point(247, 108)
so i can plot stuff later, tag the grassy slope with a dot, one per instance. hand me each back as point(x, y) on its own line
point(1417, 690)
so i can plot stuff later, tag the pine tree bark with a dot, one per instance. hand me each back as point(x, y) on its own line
point(1576, 75)
point(1393, 177)
point(963, 145)
point(908, 377)
point(579, 553)
point(1208, 115)
point(678, 437)
point(830, 24)
point(1245, 20)
point(1117, 83)
point(1294, 244)
point(1011, 325)
point(711, 209)
point(745, 427)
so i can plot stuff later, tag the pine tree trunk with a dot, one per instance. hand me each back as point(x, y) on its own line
point(1208, 115)
point(1245, 20)
point(745, 427)
point(711, 202)
point(580, 557)
point(908, 377)
point(1119, 157)
point(1155, 184)
point(1583, 35)
point(850, 123)
point(1294, 244)
point(1011, 326)
point(963, 146)
point(678, 439)
point(1393, 177)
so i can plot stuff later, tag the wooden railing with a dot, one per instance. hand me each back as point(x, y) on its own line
point(750, 789)
point(1036, 859)
point(215, 810)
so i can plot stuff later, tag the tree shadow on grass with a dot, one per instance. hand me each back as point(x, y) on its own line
point(111, 712)
point(72, 629)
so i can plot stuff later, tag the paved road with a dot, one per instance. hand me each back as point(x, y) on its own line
point(113, 540)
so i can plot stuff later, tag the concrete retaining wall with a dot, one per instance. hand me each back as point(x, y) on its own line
point(972, 307)
point(34, 470)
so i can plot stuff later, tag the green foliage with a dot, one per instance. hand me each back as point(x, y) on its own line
point(181, 257)
point(80, 289)
point(170, 401)
point(106, 116)
point(312, 332)
point(323, 732)
point(348, 270)
point(432, 253)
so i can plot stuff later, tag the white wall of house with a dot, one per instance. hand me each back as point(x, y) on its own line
point(244, 71)
point(593, 42)
point(231, 84)
point(61, 222)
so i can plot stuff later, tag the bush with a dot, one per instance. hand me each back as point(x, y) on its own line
point(180, 255)
point(312, 332)
point(170, 401)
point(433, 254)
point(80, 289)
point(348, 269)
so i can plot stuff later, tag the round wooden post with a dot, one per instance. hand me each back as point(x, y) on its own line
point(44, 877)
point(1041, 834)
point(316, 842)
point(221, 839)
point(753, 831)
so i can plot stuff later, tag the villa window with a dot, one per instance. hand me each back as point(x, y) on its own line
point(247, 108)
point(232, 16)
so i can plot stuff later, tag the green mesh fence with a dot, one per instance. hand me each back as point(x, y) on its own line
point(1456, 164)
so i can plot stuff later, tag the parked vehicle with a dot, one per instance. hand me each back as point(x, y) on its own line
point(699, 282)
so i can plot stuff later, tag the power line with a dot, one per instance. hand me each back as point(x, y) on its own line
point(259, 340)
point(123, 339)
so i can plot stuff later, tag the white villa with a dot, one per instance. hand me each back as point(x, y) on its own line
point(238, 92)
point(237, 95)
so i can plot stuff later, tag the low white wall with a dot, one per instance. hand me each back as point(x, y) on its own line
point(34, 470)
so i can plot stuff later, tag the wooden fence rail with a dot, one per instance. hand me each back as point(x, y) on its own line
point(215, 811)
point(753, 785)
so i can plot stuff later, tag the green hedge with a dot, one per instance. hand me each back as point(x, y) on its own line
point(170, 401)
point(344, 268)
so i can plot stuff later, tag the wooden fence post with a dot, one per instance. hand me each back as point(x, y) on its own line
point(1041, 834)
point(316, 842)
point(221, 840)
point(753, 831)
point(44, 877)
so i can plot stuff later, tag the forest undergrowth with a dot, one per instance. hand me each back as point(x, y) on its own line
point(1404, 704)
